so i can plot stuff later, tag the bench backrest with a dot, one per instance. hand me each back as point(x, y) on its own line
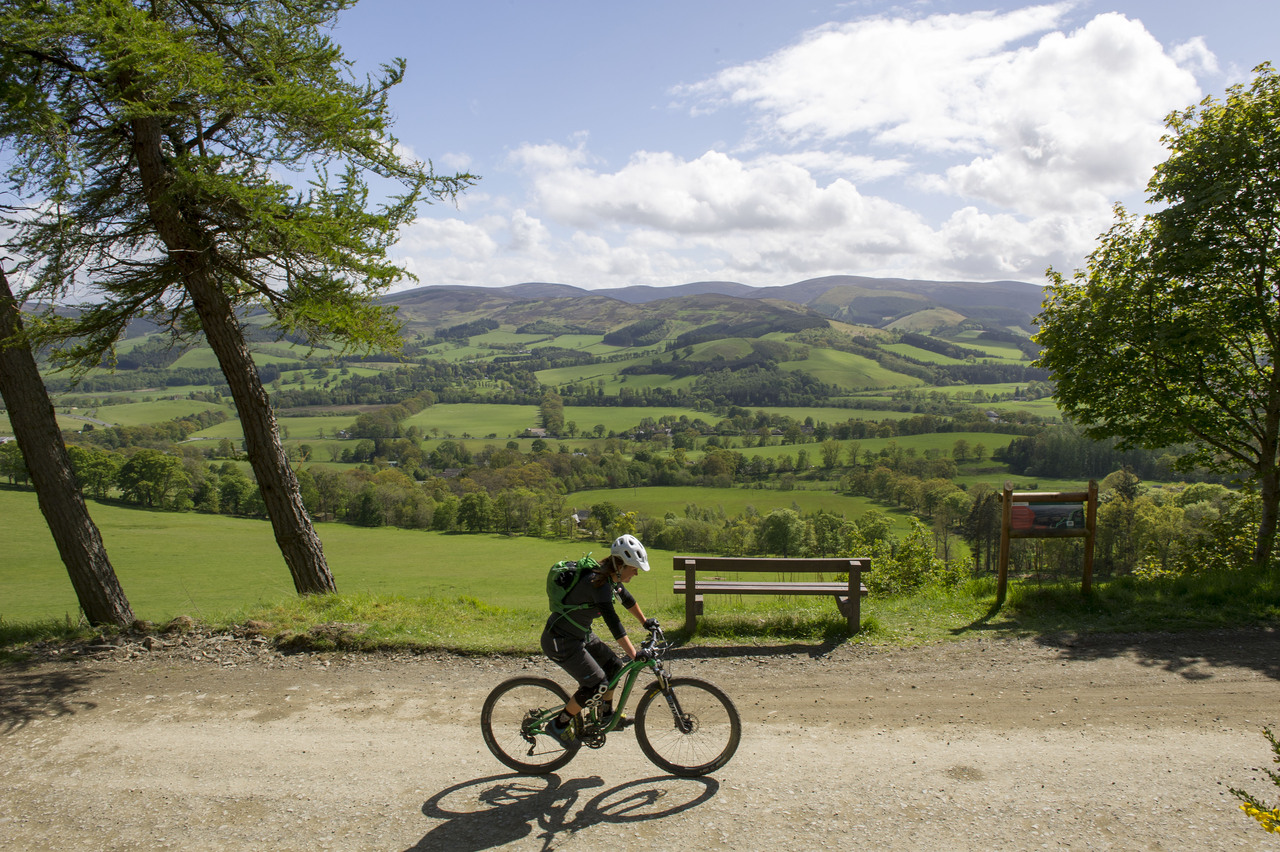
point(772, 564)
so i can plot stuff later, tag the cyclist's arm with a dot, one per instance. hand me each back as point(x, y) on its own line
point(635, 610)
point(625, 642)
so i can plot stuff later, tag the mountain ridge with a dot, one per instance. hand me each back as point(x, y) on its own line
point(861, 300)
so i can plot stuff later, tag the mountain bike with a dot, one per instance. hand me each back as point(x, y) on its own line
point(694, 730)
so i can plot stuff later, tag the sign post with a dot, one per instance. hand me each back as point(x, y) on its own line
point(1047, 514)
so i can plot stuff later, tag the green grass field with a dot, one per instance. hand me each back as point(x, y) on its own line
point(919, 354)
point(656, 501)
point(617, 419)
point(157, 411)
point(593, 373)
point(202, 565)
point(943, 442)
point(847, 370)
point(484, 594)
point(502, 421)
point(991, 349)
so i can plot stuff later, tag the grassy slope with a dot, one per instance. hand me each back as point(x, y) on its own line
point(847, 370)
point(656, 501)
point(158, 411)
point(486, 593)
point(200, 565)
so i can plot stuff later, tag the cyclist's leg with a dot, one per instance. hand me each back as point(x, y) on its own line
point(572, 655)
point(613, 666)
point(608, 660)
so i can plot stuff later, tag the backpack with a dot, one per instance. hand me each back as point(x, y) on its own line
point(561, 579)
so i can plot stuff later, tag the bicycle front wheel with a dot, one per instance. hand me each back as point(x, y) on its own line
point(512, 722)
point(696, 736)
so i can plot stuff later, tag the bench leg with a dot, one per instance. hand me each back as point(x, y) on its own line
point(692, 609)
point(850, 609)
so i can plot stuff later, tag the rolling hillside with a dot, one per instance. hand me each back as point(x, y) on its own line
point(722, 342)
point(874, 302)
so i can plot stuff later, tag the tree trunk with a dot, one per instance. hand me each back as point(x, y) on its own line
point(36, 426)
point(192, 252)
point(1269, 485)
point(295, 535)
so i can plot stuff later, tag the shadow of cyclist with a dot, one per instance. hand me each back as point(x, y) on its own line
point(501, 809)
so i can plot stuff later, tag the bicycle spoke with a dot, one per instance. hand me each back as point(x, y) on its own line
point(701, 739)
point(508, 722)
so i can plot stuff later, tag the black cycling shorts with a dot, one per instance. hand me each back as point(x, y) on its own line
point(590, 661)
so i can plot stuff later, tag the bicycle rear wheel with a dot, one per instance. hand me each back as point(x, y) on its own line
point(699, 739)
point(510, 722)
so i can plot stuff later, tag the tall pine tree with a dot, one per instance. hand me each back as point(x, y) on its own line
point(149, 139)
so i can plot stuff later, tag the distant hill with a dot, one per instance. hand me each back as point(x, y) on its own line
point(738, 344)
point(877, 302)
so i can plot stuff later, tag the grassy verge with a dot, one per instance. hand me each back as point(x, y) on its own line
point(1127, 604)
point(369, 621)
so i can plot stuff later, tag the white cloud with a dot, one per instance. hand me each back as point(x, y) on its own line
point(899, 79)
point(1075, 122)
point(455, 163)
point(449, 237)
point(978, 145)
point(715, 193)
point(1065, 122)
point(1195, 56)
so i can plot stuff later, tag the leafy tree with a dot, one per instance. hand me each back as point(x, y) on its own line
point(605, 514)
point(551, 413)
point(12, 464)
point(40, 450)
point(1172, 332)
point(95, 469)
point(475, 512)
point(831, 452)
point(445, 516)
point(233, 492)
point(367, 510)
point(781, 532)
point(981, 527)
point(151, 478)
point(150, 140)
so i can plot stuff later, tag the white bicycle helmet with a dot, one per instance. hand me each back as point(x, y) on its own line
point(629, 549)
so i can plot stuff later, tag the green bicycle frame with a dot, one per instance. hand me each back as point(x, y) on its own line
point(630, 672)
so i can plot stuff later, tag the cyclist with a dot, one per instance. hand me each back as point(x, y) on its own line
point(570, 643)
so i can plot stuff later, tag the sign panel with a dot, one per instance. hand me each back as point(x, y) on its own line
point(1025, 517)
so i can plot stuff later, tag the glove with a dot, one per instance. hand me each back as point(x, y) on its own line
point(651, 624)
point(643, 655)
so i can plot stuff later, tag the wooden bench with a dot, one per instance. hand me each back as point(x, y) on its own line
point(848, 593)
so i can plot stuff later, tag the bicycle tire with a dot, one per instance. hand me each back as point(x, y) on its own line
point(502, 722)
point(707, 746)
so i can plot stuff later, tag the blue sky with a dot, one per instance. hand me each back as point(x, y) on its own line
point(764, 142)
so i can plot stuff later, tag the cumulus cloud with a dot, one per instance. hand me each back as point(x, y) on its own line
point(1030, 117)
point(979, 145)
point(1195, 56)
point(713, 193)
point(901, 80)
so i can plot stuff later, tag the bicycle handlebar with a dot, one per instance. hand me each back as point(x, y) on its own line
point(656, 645)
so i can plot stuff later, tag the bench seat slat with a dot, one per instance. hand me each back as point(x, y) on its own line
point(687, 582)
point(743, 587)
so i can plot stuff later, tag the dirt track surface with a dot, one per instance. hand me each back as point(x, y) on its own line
point(1119, 743)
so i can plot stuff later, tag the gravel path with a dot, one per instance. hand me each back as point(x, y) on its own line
point(213, 742)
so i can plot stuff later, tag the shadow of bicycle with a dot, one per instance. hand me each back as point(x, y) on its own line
point(491, 812)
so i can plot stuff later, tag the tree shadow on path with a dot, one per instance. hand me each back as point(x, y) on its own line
point(27, 694)
point(1190, 654)
point(488, 813)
